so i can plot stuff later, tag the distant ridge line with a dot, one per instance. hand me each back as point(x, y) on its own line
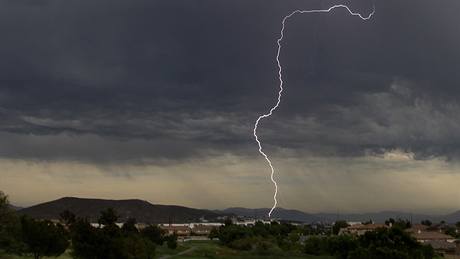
point(141, 210)
point(147, 212)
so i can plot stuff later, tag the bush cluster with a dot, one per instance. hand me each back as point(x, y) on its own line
point(260, 238)
point(276, 238)
point(392, 243)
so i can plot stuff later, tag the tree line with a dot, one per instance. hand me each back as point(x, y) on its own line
point(23, 235)
point(383, 243)
point(281, 238)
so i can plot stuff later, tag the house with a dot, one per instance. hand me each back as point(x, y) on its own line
point(190, 229)
point(417, 228)
point(361, 229)
point(426, 236)
point(202, 230)
point(141, 226)
point(443, 248)
point(178, 230)
point(443, 244)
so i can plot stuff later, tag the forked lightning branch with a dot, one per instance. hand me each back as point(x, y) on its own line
point(281, 84)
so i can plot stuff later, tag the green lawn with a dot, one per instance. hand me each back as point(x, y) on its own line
point(198, 250)
point(66, 255)
point(164, 250)
point(211, 249)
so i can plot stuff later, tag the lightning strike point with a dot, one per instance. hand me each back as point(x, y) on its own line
point(281, 83)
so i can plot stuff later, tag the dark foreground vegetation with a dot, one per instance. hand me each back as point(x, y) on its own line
point(27, 236)
point(275, 238)
point(379, 244)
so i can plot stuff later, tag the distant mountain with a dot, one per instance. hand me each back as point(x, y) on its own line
point(451, 218)
point(143, 211)
point(146, 212)
point(280, 213)
point(378, 217)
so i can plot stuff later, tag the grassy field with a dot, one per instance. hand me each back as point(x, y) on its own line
point(66, 255)
point(211, 249)
point(199, 250)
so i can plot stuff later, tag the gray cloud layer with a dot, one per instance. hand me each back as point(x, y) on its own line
point(150, 80)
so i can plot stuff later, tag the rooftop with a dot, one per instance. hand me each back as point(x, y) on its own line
point(431, 235)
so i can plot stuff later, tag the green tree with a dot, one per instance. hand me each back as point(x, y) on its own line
point(393, 243)
point(449, 230)
point(110, 242)
point(230, 233)
point(5, 207)
point(341, 246)
point(244, 244)
point(129, 227)
point(67, 217)
point(260, 229)
point(85, 240)
point(315, 245)
point(10, 227)
point(228, 222)
point(96, 243)
point(339, 225)
point(172, 241)
point(360, 253)
point(402, 224)
point(108, 217)
point(263, 246)
point(43, 238)
point(136, 247)
point(154, 233)
point(390, 222)
point(214, 233)
point(427, 251)
point(426, 222)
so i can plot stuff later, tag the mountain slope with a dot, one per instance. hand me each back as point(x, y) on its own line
point(379, 217)
point(143, 211)
point(452, 218)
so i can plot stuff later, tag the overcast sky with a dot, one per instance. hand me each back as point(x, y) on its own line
point(157, 99)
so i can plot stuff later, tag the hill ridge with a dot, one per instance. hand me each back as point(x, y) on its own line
point(379, 217)
point(142, 210)
point(146, 212)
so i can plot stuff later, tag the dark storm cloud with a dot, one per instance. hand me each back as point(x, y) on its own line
point(377, 123)
point(101, 80)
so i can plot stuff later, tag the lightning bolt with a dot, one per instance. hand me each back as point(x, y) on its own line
point(280, 77)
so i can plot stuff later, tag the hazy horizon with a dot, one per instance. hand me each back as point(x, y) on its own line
point(428, 212)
